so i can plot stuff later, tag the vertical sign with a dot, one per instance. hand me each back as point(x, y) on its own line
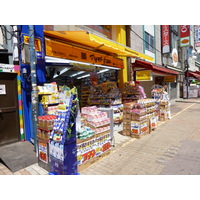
point(165, 38)
point(197, 35)
point(184, 35)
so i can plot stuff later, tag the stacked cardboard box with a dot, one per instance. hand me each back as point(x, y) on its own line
point(134, 121)
point(139, 117)
point(164, 110)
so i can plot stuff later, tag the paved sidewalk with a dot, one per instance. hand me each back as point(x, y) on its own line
point(30, 170)
point(148, 155)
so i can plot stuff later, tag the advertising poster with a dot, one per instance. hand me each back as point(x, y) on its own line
point(197, 35)
point(92, 148)
point(184, 35)
point(43, 152)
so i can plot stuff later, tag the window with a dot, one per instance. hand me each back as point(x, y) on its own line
point(149, 42)
point(104, 29)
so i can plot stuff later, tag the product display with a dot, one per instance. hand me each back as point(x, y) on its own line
point(107, 94)
point(139, 117)
point(132, 91)
point(62, 145)
point(49, 98)
point(93, 137)
point(162, 102)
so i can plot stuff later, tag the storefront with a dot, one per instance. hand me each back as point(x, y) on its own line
point(193, 85)
point(158, 75)
point(89, 63)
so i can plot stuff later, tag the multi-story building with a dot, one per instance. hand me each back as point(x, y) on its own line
point(148, 40)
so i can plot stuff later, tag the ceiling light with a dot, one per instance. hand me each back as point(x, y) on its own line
point(80, 77)
point(78, 73)
point(61, 72)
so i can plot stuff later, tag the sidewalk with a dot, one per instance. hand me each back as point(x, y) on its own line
point(147, 155)
point(151, 155)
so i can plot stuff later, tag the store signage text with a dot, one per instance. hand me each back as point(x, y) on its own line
point(184, 35)
point(170, 78)
point(37, 42)
point(143, 75)
point(197, 35)
point(165, 38)
point(60, 50)
point(92, 148)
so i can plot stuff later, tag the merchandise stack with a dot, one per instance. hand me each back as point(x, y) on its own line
point(134, 119)
point(150, 106)
point(162, 102)
point(84, 92)
point(107, 94)
point(139, 118)
point(132, 91)
point(49, 98)
point(93, 137)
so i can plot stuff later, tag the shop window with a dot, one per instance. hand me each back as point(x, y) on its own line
point(149, 42)
point(104, 29)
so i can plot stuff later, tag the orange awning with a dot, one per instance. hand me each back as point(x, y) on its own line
point(96, 42)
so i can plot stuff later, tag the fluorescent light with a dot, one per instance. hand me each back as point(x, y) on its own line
point(61, 72)
point(56, 60)
point(102, 71)
point(80, 77)
point(108, 67)
point(76, 74)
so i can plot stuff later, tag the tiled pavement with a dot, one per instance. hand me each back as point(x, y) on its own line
point(148, 155)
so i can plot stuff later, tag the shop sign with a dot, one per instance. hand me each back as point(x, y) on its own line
point(43, 151)
point(37, 43)
point(165, 38)
point(60, 50)
point(184, 35)
point(197, 35)
point(143, 75)
point(174, 57)
point(170, 78)
point(92, 148)
point(6, 68)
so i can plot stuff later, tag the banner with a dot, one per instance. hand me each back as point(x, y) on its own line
point(93, 148)
point(143, 75)
point(184, 35)
point(165, 38)
point(197, 35)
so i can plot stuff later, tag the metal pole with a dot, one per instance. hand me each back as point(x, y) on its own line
point(186, 77)
point(34, 93)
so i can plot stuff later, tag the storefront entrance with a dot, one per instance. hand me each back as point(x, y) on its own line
point(9, 118)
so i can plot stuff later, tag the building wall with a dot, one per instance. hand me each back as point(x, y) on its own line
point(135, 38)
point(1, 39)
point(158, 44)
point(138, 44)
